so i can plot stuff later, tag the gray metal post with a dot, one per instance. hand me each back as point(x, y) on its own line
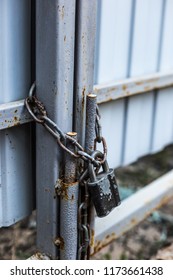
point(84, 63)
point(69, 207)
point(55, 29)
point(89, 146)
point(90, 122)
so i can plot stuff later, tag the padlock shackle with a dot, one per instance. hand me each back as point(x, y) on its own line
point(99, 154)
point(91, 171)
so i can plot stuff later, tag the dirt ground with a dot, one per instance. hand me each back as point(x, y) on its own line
point(151, 239)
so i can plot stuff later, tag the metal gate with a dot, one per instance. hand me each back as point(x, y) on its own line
point(16, 180)
point(119, 50)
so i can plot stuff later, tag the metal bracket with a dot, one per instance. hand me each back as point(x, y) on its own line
point(131, 86)
point(13, 114)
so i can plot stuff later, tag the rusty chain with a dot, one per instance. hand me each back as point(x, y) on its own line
point(38, 112)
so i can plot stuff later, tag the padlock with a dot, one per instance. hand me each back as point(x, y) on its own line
point(103, 187)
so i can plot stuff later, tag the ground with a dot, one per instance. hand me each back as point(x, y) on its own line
point(151, 239)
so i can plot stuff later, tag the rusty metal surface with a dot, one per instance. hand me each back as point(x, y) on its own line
point(38, 256)
point(132, 86)
point(13, 114)
point(133, 210)
point(69, 207)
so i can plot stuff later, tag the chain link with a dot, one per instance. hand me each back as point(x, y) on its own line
point(83, 226)
point(98, 127)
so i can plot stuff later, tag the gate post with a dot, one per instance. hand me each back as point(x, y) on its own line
point(55, 31)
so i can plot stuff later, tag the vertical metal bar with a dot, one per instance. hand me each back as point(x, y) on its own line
point(84, 65)
point(69, 207)
point(84, 62)
point(55, 27)
point(90, 122)
point(91, 103)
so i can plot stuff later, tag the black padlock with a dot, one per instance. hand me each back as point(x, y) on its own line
point(103, 188)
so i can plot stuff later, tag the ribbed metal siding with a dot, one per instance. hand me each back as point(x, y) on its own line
point(15, 145)
point(135, 38)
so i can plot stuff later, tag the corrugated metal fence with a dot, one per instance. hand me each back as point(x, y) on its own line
point(134, 39)
point(16, 184)
point(133, 81)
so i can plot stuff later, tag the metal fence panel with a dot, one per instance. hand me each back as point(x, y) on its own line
point(16, 201)
point(163, 126)
point(139, 44)
point(112, 63)
point(144, 60)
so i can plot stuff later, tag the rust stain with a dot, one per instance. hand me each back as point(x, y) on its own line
point(154, 80)
point(83, 91)
point(39, 256)
point(139, 83)
point(83, 99)
point(61, 189)
point(92, 238)
point(101, 244)
point(58, 187)
point(64, 191)
point(59, 242)
point(112, 89)
point(148, 88)
point(124, 87)
point(108, 99)
point(16, 121)
point(163, 201)
point(61, 11)
point(134, 221)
